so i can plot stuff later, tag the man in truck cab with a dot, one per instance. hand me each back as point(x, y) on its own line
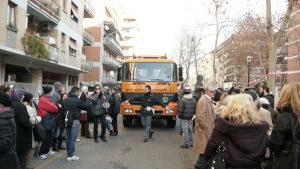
point(147, 110)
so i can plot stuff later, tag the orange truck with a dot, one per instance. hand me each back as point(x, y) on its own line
point(162, 74)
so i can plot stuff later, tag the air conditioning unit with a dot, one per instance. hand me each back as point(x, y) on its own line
point(47, 26)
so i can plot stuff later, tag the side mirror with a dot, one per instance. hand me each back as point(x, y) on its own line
point(119, 74)
point(180, 70)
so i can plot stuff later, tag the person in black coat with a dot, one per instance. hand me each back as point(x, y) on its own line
point(98, 113)
point(115, 110)
point(147, 110)
point(243, 134)
point(85, 132)
point(72, 107)
point(24, 129)
point(288, 117)
point(8, 155)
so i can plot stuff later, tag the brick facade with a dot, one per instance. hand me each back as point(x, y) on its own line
point(96, 32)
point(294, 47)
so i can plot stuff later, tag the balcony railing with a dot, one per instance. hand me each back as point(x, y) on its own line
point(113, 46)
point(48, 7)
point(111, 23)
point(89, 10)
point(88, 38)
point(111, 62)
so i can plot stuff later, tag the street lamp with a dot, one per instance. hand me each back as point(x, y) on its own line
point(249, 60)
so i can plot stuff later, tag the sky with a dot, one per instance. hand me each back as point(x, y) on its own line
point(162, 21)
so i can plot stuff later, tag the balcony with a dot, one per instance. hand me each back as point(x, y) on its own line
point(89, 10)
point(127, 44)
point(50, 44)
point(108, 80)
point(85, 66)
point(40, 47)
point(88, 39)
point(112, 24)
point(111, 63)
point(111, 44)
point(45, 10)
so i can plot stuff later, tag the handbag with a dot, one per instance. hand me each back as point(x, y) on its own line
point(83, 116)
point(39, 132)
point(288, 157)
point(219, 161)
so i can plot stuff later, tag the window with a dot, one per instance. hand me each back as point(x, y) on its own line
point(74, 12)
point(11, 15)
point(72, 47)
point(73, 80)
point(62, 41)
point(161, 72)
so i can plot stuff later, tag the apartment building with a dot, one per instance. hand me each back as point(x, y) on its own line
point(131, 35)
point(105, 53)
point(231, 67)
point(293, 59)
point(41, 42)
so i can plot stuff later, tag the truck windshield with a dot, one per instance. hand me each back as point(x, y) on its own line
point(151, 72)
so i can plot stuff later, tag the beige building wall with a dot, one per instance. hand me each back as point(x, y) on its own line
point(9, 37)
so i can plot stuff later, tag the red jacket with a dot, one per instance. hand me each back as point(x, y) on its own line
point(46, 105)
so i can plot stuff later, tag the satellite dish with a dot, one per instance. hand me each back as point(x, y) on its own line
point(199, 78)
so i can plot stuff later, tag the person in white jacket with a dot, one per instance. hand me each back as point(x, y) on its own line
point(31, 109)
point(34, 118)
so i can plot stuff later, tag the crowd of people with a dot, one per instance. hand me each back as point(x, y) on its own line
point(245, 126)
point(30, 128)
point(242, 129)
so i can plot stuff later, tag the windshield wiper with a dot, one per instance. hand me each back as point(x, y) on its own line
point(161, 80)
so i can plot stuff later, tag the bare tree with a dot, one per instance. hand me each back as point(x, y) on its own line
point(274, 38)
point(249, 39)
point(189, 53)
point(218, 12)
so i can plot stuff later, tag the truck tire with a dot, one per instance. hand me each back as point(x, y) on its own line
point(171, 123)
point(127, 121)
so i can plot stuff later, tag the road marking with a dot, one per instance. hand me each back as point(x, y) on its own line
point(55, 157)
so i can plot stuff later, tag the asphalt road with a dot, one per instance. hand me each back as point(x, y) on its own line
point(127, 151)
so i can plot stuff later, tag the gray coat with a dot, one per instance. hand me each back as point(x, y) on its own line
point(187, 107)
point(97, 107)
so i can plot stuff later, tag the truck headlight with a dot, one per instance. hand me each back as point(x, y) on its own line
point(128, 110)
point(170, 111)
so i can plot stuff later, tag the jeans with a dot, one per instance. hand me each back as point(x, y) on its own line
point(71, 137)
point(188, 135)
point(146, 121)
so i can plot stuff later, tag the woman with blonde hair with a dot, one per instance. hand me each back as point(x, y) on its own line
point(242, 133)
point(286, 132)
point(225, 98)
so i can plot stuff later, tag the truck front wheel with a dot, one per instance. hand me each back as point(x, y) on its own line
point(127, 121)
point(171, 123)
